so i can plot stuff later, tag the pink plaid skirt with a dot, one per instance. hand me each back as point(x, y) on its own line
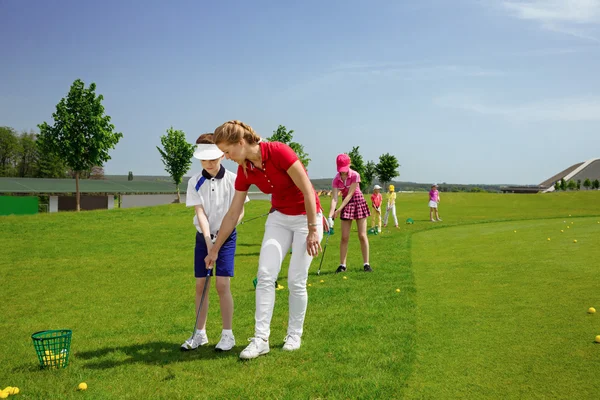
point(356, 208)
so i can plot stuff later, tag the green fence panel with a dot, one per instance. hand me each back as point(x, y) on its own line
point(19, 205)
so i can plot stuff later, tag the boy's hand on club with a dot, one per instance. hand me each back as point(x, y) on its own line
point(210, 259)
point(330, 222)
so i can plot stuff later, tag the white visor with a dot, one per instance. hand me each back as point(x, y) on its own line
point(207, 152)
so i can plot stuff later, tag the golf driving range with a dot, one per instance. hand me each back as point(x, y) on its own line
point(487, 306)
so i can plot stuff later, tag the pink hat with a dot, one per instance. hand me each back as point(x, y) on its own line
point(343, 163)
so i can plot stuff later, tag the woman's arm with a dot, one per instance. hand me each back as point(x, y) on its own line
point(230, 220)
point(300, 178)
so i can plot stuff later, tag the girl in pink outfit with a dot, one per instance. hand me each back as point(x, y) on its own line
point(352, 207)
point(434, 199)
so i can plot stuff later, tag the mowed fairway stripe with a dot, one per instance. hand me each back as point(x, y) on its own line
point(503, 314)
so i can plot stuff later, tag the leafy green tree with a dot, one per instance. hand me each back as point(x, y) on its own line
point(563, 184)
point(369, 173)
point(28, 154)
point(130, 176)
point(578, 184)
point(571, 185)
point(557, 186)
point(284, 136)
point(596, 184)
point(9, 150)
point(49, 165)
point(82, 134)
point(587, 183)
point(387, 168)
point(176, 155)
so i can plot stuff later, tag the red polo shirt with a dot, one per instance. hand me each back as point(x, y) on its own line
point(273, 178)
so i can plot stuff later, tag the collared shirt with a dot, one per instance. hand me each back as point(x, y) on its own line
point(273, 178)
point(344, 186)
point(376, 199)
point(391, 198)
point(214, 194)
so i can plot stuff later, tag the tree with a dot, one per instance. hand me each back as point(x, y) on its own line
point(177, 155)
point(587, 183)
point(49, 165)
point(578, 184)
point(596, 184)
point(82, 134)
point(563, 184)
point(28, 154)
point(130, 176)
point(9, 144)
point(97, 172)
point(369, 173)
point(358, 165)
point(284, 136)
point(557, 186)
point(387, 168)
point(571, 185)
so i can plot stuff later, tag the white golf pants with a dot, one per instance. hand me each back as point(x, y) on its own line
point(281, 232)
point(387, 214)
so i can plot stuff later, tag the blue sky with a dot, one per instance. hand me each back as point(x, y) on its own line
point(460, 91)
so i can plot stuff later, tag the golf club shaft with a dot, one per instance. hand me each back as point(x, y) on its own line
point(323, 255)
point(207, 279)
point(253, 218)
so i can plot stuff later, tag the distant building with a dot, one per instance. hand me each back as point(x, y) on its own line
point(581, 171)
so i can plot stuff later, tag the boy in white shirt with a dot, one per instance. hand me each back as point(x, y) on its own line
point(210, 192)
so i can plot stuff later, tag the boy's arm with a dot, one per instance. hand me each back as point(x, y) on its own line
point(230, 220)
point(204, 225)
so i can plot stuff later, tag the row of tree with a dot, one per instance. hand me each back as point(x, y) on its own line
point(576, 185)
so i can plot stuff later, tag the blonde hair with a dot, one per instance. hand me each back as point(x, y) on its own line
point(233, 131)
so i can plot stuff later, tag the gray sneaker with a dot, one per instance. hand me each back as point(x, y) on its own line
point(196, 340)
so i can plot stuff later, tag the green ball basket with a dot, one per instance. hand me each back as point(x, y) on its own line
point(53, 347)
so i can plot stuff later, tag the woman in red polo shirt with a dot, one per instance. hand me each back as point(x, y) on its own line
point(295, 221)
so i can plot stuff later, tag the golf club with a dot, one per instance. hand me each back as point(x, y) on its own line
point(206, 282)
point(253, 218)
point(325, 247)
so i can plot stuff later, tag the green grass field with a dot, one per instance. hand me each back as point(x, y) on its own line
point(483, 311)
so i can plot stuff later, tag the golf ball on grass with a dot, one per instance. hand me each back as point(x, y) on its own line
point(82, 386)
point(575, 241)
point(591, 310)
point(548, 239)
point(397, 290)
point(598, 339)
point(345, 277)
point(322, 281)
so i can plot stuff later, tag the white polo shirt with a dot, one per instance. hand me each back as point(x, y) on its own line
point(214, 194)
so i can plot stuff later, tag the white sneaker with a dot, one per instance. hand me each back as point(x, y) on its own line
point(226, 343)
point(292, 342)
point(256, 348)
point(439, 219)
point(196, 340)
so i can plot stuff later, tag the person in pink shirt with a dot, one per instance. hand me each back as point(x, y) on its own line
point(352, 207)
point(376, 200)
point(434, 199)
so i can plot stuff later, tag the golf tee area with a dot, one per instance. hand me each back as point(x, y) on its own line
point(490, 303)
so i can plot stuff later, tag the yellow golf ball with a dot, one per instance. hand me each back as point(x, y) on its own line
point(548, 238)
point(575, 241)
point(515, 231)
point(322, 281)
point(568, 227)
point(310, 284)
point(345, 277)
point(82, 386)
point(397, 290)
point(598, 339)
point(562, 231)
point(591, 310)
point(572, 223)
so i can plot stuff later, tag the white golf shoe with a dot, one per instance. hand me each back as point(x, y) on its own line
point(292, 342)
point(257, 347)
point(226, 343)
point(196, 340)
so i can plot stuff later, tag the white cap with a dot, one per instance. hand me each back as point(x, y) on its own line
point(377, 187)
point(207, 152)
